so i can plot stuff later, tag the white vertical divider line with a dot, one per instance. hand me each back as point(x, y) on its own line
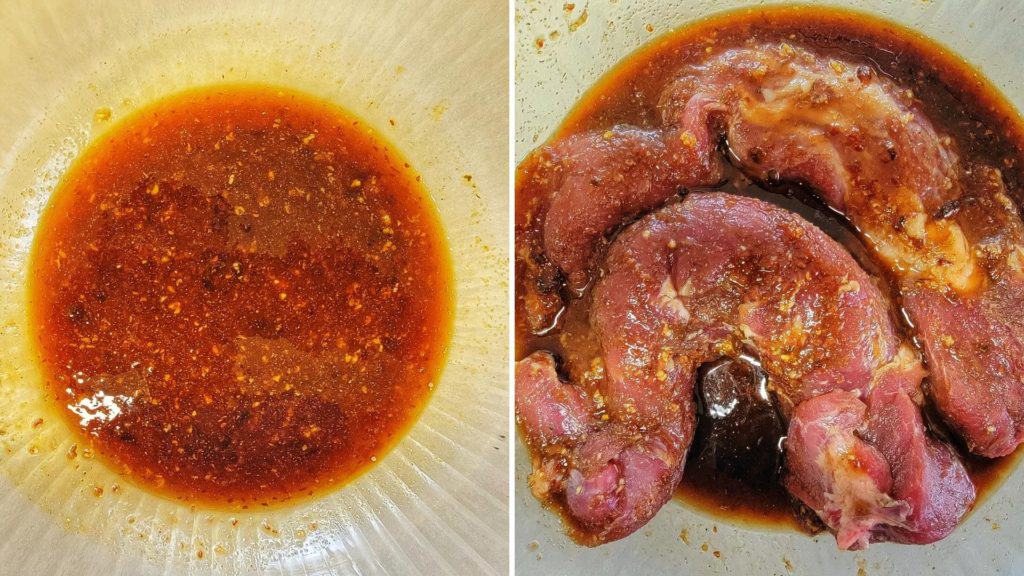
point(510, 439)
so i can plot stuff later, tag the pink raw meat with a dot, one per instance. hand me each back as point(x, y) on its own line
point(717, 275)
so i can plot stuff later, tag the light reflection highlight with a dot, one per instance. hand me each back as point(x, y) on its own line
point(100, 407)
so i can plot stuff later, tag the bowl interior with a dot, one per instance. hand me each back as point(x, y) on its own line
point(434, 91)
point(560, 54)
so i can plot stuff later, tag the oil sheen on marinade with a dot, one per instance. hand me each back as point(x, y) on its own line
point(734, 461)
point(241, 296)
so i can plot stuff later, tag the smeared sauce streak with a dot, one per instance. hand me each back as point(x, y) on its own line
point(735, 460)
point(242, 296)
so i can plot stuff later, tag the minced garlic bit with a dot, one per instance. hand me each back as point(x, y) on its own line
point(850, 286)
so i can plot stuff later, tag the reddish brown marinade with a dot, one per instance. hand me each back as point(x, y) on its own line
point(241, 296)
point(734, 464)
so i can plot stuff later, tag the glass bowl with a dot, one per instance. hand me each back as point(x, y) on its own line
point(550, 77)
point(434, 82)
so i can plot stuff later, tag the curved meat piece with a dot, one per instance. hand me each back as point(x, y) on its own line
point(974, 342)
point(612, 478)
point(835, 472)
point(599, 180)
point(607, 178)
point(950, 236)
point(927, 474)
point(916, 498)
point(717, 275)
point(551, 412)
point(610, 177)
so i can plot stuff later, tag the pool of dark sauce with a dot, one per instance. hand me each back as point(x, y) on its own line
point(241, 297)
point(735, 461)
